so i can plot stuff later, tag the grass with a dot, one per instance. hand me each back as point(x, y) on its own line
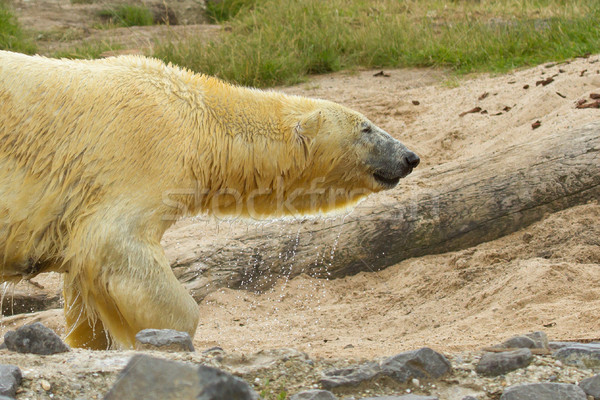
point(128, 15)
point(11, 35)
point(281, 41)
point(87, 50)
point(224, 10)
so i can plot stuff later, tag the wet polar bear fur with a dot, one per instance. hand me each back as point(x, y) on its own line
point(98, 158)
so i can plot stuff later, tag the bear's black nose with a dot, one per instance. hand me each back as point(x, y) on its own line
point(412, 159)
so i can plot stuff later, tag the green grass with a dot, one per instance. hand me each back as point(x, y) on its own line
point(11, 36)
point(224, 10)
point(128, 15)
point(281, 41)
point(87, 50)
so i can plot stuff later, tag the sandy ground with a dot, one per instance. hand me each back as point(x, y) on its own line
point(541, 278)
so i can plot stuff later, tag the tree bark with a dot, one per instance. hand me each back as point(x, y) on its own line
point(456, 205)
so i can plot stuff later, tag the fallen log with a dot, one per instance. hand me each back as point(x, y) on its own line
point(459, 205)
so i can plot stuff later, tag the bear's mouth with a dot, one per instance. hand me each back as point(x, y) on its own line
point(386, 180)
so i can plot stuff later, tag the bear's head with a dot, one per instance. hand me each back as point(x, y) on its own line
point(347, 149)
point(327, 158)
point(304, 157)
point(344, 157)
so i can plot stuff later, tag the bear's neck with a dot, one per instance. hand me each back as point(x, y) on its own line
point(248, 154)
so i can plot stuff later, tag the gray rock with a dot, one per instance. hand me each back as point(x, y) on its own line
point(35, 338)
point(350, 376)
point(10, 379)
point(421, 364)
point(404, 397)
point(544, 391)
point(469, 398)
point(519, 342)
point(163, 340)
point(534, 340)
point(580, 355)
point(591, 386)
point(540, 339)
point(152, 378)
point(560, 345)
point(6, 398)
point(314, 394)
point(494, 364)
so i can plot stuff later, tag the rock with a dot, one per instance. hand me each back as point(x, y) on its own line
point(35, 338)
point(350, 376)
point(560, 345)
point(45, 385)
point(544, 391)
point(519, 342)
point(534, 340)
point(494, 364)
point(540, 340)
point(580, 355)
point(10, 379)
point(314, 394)
point(421, 364)
point(469, 398)
point(591, 386)
point(404, 397)
point(6, 398)
point(218, 385)
point(152, 378)
point(163, 340)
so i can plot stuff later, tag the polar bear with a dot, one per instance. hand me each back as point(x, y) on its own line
point(98, 158)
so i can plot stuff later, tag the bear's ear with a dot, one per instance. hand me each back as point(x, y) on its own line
point(310, 124)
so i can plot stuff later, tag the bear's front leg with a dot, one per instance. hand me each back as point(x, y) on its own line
point(83, 329)
point(130, 289)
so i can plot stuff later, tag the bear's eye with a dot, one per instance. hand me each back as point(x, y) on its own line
point(366, 129)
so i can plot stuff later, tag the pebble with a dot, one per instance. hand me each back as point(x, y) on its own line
point(314, 394)
point(151, 378)
point(544, 391)
point(163, 340)
point(494, 364)
point(45, 385)
point(10, 379)
point(35, 338)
